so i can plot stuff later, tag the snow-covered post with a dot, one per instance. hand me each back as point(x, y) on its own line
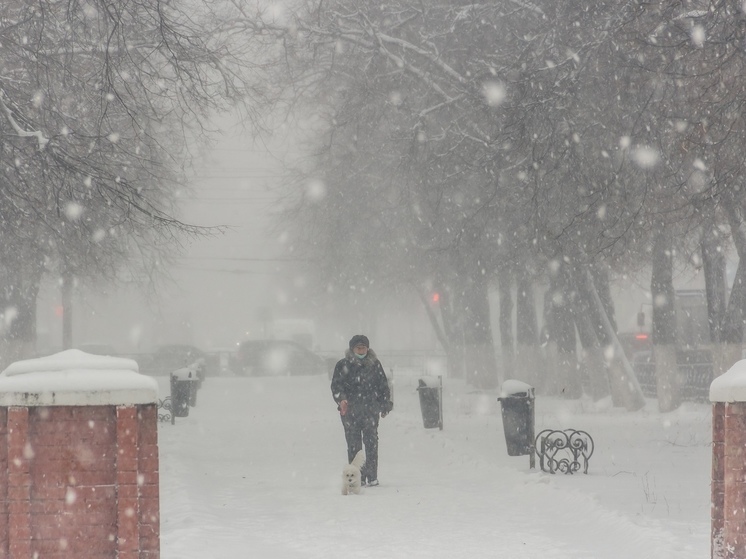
point(78, 458)
point(728, 397)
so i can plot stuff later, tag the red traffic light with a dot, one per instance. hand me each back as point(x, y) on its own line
point(436, 297)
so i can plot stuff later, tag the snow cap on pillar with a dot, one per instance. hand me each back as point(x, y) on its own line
point(76, 378)
point(731, 385)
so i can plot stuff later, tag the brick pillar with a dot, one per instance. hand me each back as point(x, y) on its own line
point(127, 495)
point(138, 519)
point(78, 468)
point(734, 503)
point(4, 533)
point(149, 483)
point(19, 484)
point(717, 487)
point(728, 489)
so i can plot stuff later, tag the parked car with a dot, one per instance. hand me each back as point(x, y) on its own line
point(277, 358)
point(167, 358)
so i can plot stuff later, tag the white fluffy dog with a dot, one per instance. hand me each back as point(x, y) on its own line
point(351, 475)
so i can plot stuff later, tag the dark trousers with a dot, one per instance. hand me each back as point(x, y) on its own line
point(363, 430)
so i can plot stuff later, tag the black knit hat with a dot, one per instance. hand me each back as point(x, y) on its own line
point(359, 339)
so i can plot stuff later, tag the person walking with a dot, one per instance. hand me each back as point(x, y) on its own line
point(361, 390)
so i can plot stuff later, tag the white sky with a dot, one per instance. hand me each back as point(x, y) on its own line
point(220, 283)
point(224, 280)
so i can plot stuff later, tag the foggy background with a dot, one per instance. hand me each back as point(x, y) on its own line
point(231, 286)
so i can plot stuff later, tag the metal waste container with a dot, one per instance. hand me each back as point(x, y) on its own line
point(183, 384)
point(431, 392)
point(517, 402)
point(196, 377)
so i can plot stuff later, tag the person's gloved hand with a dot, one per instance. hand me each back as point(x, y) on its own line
point(389, 407)
point(343, 407)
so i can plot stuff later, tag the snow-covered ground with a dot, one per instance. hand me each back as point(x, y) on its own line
point(254, 471)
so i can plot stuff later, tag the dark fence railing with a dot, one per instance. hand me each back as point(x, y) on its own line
point(695, 375)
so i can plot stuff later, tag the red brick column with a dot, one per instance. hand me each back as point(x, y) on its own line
point(78, 468)
point(734, 505)
point(138, 517)
point(73, 481)
point(148, 482)
point(718, 478)
point(127, 495)
point(4, 533)
point(19, 484)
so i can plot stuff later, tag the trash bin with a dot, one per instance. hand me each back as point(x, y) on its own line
point(431, 391)
point(517, 402)
point(195, 376)
point(183, 384)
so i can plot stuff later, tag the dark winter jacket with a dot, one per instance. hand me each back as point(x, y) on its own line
point(363, 383)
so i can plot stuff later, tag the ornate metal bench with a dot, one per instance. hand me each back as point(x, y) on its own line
point(564, 451)
point(164, 410)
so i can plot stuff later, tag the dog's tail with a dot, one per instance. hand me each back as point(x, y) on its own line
point(359, 459)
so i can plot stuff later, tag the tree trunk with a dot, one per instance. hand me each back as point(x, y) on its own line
point(664, 323)
point(732, 328)
point(19, 299)
point(67, 310)
point(479, 348)
point(593, 356)
point(453, 331)
point(713, 264)
point(529, 366)
point(449, 338)
point(602, 285)
point(504, 285)
point(549, 343)
point(625, 389)
point(567, 373)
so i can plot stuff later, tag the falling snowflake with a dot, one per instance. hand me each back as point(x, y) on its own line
point(494, 93)
point(316, 190)
point(645, 157)
point(73, 211)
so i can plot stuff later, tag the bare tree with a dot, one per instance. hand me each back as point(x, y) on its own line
point(100, 105)
point(570, 142)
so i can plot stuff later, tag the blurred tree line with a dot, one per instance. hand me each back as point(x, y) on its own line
point(102, 106)
point(456, 147)
point(517, 145)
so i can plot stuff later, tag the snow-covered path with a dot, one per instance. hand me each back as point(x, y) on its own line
point(254, 472)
